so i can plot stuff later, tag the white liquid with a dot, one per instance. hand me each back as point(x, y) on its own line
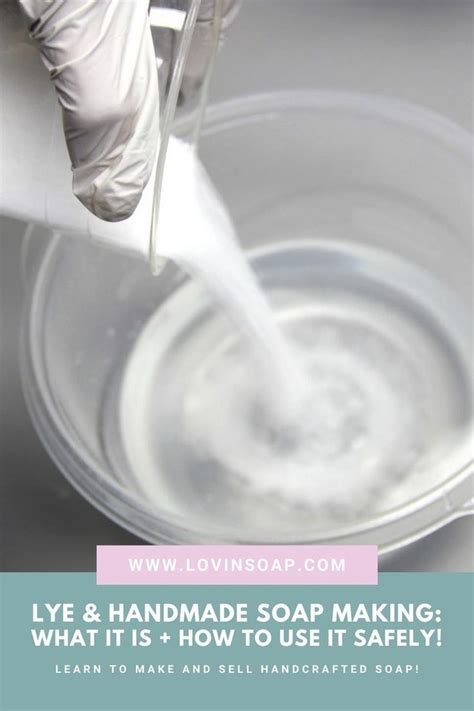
point(370, 353)
point(196, 232)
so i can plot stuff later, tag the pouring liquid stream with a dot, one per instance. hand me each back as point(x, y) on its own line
point(197, 233)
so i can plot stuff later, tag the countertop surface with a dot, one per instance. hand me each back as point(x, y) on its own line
point(418, 50)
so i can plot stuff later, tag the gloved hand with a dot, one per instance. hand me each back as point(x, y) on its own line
point(101, 59)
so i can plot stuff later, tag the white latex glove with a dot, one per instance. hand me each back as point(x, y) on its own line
point(100, 56)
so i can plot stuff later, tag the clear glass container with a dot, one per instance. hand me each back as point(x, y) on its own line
point(363, 180)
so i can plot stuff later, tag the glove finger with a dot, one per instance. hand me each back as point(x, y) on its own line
point(100, 57)
point(207, 10)
point(202, 43)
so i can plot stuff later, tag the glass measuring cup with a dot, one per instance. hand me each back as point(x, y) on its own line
point(173, 23)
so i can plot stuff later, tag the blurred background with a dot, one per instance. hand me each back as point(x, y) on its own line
point(417, 50)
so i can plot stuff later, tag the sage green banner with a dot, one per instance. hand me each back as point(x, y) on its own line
point(322, 648)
